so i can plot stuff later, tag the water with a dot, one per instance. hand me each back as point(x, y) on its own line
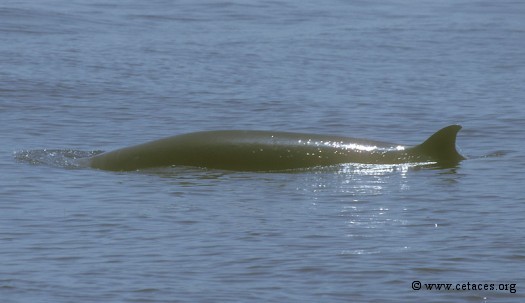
point(79, 76)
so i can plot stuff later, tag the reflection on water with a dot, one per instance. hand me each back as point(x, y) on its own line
point(380, 169)
point(363, 179)
point(370, 203)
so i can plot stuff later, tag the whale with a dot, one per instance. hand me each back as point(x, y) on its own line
point(257, 150)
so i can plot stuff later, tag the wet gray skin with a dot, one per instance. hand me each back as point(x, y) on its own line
point(248, 150)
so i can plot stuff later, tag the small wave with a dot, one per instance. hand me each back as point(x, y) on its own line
point(498, 154)
point(495, 154)
point(63, 158)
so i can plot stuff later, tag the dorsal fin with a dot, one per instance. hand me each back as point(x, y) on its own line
point(441, 146)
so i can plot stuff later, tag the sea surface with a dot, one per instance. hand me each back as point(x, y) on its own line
point(78, 77)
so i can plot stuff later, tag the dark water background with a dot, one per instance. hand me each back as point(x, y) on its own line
point(81, 76)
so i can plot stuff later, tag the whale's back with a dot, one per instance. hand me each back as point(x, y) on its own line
point(269, 150)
